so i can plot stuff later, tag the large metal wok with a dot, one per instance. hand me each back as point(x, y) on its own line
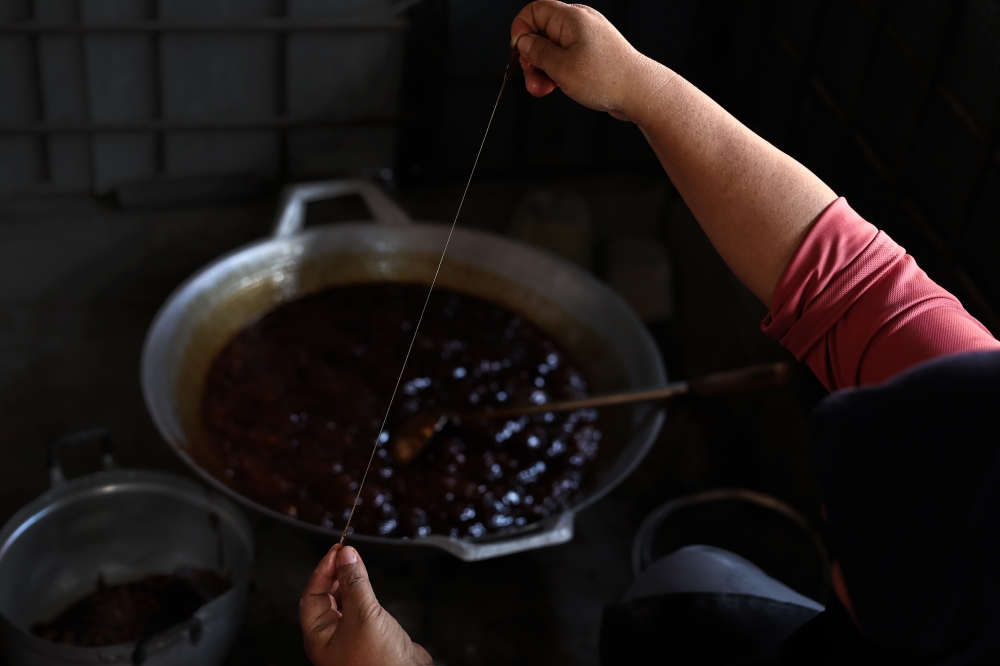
point(580, 312)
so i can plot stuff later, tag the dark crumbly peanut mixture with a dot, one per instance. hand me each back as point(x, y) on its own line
point(130, 612)
point(294, 402)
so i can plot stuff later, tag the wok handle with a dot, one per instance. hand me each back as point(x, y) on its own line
point(56, 476)
point(292, 212)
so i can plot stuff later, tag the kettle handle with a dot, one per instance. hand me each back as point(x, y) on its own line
point(292, 212)
point(56, 476)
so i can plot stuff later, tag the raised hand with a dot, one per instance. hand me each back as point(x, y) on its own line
point(576, 49)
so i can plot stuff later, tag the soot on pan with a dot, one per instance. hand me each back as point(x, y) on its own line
point(294, 402)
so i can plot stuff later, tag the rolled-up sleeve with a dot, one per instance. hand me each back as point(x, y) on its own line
point(857, 309)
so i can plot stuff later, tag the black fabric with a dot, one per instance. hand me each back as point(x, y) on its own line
point(831, 639)
point(698, 629)
point(910, 474)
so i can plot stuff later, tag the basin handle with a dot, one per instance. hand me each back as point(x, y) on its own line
point(56, 476)
point(292, 211)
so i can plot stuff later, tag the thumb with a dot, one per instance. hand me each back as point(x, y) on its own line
point(355, 588)
point(542, 53)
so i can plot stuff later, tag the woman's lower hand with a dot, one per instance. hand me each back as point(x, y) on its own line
point(574, 48)
point(343, 623)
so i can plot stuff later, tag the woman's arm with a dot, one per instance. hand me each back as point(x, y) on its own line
point(754, 202)
point(843, 296)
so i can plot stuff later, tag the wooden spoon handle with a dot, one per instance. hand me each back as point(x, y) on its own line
point(752, 378)
point(731, 381)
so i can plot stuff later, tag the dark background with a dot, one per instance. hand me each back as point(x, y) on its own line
point(894, 104)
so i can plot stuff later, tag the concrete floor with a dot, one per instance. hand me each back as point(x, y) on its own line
point(80, 282)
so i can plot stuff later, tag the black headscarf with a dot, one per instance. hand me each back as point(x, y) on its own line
point(910, 472)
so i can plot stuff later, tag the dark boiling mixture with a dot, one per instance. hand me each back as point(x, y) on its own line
point(294, 402)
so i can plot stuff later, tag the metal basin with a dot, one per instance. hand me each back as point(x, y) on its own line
point(123, 525)
point(758, 527)
point(579, 311)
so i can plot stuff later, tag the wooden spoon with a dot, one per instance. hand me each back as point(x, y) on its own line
point(416, 432)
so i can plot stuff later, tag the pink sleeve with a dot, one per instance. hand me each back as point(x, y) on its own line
point(858, 310)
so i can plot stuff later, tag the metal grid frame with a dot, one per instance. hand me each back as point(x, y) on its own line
point(43, 131)
point(922, 178)
point(872, 95)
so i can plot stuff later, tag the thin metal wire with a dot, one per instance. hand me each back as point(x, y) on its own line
point(388, 410)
